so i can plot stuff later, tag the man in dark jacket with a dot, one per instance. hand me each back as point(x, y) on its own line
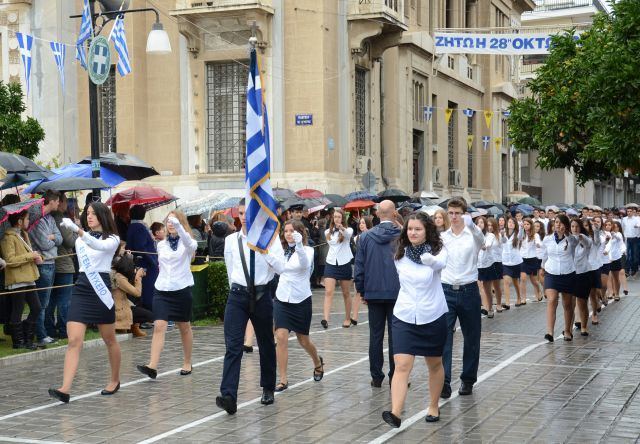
point(140, 240)
point(377, 282)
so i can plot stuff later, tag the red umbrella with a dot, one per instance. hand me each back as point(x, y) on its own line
point(147, 196)
point(359, 204)
point(308, 193)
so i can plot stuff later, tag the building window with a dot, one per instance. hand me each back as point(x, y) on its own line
point(449, 14)
point(470, 153)
point(419, 101)
point(226, 115)
point(107, 113)
point(451, 137)
point(361, 111)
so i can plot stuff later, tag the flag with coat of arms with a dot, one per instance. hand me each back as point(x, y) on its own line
point(262, 222)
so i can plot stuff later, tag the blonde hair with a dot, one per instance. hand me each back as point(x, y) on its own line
point(182, 219)
point(445, 218)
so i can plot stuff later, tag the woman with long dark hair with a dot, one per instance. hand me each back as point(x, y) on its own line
point(91, 300)
point(595, 262)
point(511, 238)
point(338, 267)
point(292, 305)
point(616, 249)
point(531, 243)
point(559, 274)
point(605, 268)
point(584, 275)
point(419, 322)
point(487, 273)
point(495, 251)
point(173, 300)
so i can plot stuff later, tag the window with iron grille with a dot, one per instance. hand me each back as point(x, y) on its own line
point(451, 137)
point(361, 111)
point(226, 113)
point(470, 153)
point(107, 113)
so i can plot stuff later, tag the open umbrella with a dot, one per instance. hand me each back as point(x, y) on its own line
point(202, 205)
point(80, 170)
point(525, 209)
point(13, 180)
point(359, 195)
point(309, 193)
point(147, 196)
point(15, 163)
point(393, 194)
point(71, 184)
point(482, 204)
point(229, 202)
point(126, 165)
point(336, 200)
point(359, 205)
point(283, 194)
point(494, 211)
point(430, 209)
point(529, 201)
point(34, 206)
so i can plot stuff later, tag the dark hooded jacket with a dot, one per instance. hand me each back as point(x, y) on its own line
point(376, 277)
point(219, 231)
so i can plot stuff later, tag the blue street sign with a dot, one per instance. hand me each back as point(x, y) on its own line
point(304, 119)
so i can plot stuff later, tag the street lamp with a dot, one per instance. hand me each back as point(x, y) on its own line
point(157, 43)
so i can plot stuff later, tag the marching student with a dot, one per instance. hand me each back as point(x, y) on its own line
point(172, 300)
point(240, 309)
point(496, 253)
point(486, 270)
point(615, 250)
point(511, 237)
point(595, 262)
point(91, 300)
point(605, 268)
point(529, 249)
point(459, 282)
point(338, 266)
point(559, 274)
point(420, 313)
point(584, 275)
point(292, 306)
point(541, 230)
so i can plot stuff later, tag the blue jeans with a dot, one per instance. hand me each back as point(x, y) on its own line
point(47, 275)
point(464, 304)
point(59, 300)
point(380, 313)
point(236, 315)
point(633, 254)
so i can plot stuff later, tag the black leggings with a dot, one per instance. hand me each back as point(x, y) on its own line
point(141, 315)
point(17, 305)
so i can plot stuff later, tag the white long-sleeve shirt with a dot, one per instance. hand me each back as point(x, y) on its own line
point(485, 256)
point(615, 247)
point(263, 271)
point(595, 255)
point(530, 248)
point(175, 266)
point(99, 251)
point(421, 297)
point(558, 256)
point(294, 284)
point(631, 226)
point(339, 252)
point(496, 249)
point(510, 254)
point(605, 239)
point(462, 255)
point(581, 256)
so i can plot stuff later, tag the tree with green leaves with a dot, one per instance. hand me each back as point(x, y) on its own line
point(584, 109)
point(17, 135)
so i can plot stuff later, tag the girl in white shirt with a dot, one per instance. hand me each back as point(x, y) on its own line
point(495, 251)
point(615, 250)
point(529, 250)
point(511, 238)
point(487, 273)
point(172, 300)
point(605, 268)
point(91, 301)
point(292, 306)
point(338, 266)
point(540, 229)
point(584, 274)
point(419, 322)
point(559, 274)
point(595, 262)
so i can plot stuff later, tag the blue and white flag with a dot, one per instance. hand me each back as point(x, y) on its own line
point(428, 112)
point(468, 112)
point(120, 42)
point(86, 32)
point(262, 223)
point(59, 51)
point(485, 142)
point(26, 43)
point(506, 113)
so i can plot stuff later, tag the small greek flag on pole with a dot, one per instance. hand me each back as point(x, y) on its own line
point(25, 41)
point(262, 223)
point(120, 42)
point(59, 51)
point(86, 32)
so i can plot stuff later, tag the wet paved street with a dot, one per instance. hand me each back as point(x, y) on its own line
point(528, 390)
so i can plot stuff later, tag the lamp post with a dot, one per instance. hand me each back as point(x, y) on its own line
point(157, 43)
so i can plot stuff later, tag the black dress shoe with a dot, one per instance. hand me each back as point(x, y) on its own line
point(106, 392)
point(184, 372)
point(247, 348)
point(376, 383)
point(431, 418)
point(391, 419)
point(60, 396)
point(446, 391)
point(150, 372)
point(267, 397)
point(465, 389)
point(548, 337)
point(484, 312)
point(506, 307)
point(227, 403)
point(324, 323)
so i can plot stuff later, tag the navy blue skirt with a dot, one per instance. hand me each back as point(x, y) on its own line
point(86, 307)
point(605, 269)
point(597, 279)
point(583, 284)
point(511, 271)
point(562, 283)
point(491, 273)
point(293, 317)
point(616, 265)
point(338, 272)
point(173, 305)
point(530, 265)
point(419, 340)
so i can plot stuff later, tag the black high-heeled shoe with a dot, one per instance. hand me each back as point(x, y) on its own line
point(354, 322)
point(324, 323)
point(150, 372)
point(318, 372)
point(106, 392)
point(431, 418)
point(548, 337)
point(391, 419)
point(60, 396)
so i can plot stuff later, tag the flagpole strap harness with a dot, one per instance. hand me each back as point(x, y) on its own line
point(255, 292)
point(94, 277)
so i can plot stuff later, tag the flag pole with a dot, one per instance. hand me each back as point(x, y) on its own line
point(252, 254)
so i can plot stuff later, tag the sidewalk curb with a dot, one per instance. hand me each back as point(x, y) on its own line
point(49, 352)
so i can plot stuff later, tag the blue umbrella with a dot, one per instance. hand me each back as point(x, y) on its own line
point(526, 209)
point(79, 170)
point(360, 195)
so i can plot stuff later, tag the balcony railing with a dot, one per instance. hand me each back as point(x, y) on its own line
point(555, 5)
point(223, 4)
point(389, 10)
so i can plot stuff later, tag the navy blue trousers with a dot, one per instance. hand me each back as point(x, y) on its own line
point(464, 304)
point(236, 315)
point(380, 313)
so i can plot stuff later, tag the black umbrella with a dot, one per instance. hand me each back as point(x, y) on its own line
point(127, 165)
point(393, 194)
point(283, 194)
point(16, 179)
point(15, 163)
point(482, 204)
point(445, 203)
point(494, 211)
point(71, 184)
point(336, 200)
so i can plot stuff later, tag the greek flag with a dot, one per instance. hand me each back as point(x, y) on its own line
point(25, 41)
point(468, 112)
point(86, 32)
point(120, 42)
point(262, 223)
point(506, 113)
point(59, 51)
point(485, 142)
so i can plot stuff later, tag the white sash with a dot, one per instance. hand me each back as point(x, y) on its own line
point(94, 277)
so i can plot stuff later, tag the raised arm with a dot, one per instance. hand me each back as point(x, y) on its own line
point(190, 244)
point(109, 244)
point(437, 262)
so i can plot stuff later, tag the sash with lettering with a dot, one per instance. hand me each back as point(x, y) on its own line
point(93, 276)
